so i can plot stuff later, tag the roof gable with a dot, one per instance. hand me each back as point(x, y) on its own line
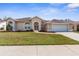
point(37, 18)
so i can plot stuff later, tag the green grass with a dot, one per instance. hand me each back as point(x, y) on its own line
point(31, 38)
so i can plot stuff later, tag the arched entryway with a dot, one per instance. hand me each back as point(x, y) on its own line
point(36, 26)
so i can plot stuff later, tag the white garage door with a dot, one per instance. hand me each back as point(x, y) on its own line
point(60, 28)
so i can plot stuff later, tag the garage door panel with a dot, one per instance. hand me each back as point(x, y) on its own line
point(60, 28)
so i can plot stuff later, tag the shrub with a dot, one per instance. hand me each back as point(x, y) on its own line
point(1, 28)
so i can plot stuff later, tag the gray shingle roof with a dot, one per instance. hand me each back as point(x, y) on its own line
point(28, 19)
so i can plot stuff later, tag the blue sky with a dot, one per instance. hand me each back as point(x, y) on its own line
point(47, 11)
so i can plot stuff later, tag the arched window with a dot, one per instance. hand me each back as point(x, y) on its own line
point(10, 22)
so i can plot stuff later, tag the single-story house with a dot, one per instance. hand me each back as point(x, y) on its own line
point(37, 24)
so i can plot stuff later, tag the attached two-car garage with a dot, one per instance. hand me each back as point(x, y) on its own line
point(60, 27)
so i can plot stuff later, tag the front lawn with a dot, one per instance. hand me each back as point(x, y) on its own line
point(31, 38)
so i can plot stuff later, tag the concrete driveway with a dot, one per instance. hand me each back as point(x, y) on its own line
point(40, 50)
point(71, 35)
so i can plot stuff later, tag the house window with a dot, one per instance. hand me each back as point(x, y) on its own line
point(28, 27)
point(25, 27)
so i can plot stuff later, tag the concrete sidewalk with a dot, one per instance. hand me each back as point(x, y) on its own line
point(40, 50)
point(71, 35)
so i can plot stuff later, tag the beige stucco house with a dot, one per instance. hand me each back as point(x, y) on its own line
point(38, 24)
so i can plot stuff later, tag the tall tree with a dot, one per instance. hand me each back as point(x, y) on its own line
point(9, 27)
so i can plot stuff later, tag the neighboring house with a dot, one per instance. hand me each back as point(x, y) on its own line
point(38, 24)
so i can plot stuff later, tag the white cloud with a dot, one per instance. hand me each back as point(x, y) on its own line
point(73, 5)
point(45, 11)
point(56, 4)
point(49, 11)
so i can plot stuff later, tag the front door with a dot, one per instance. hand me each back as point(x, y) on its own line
point(36, 26)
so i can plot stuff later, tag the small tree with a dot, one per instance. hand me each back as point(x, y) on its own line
point(9, 27)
